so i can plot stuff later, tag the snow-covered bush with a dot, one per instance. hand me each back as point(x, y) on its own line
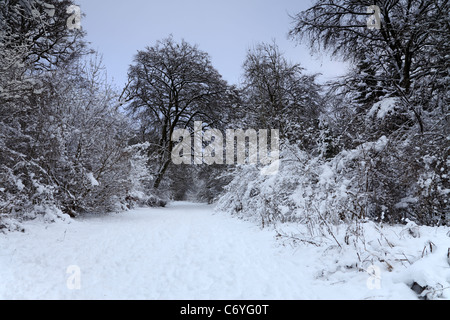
point(370, 181)
point(70, 150)
point(307, 189)
point(330, 204)
point(64, 145)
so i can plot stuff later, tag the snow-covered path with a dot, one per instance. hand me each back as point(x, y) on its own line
point(184, 251)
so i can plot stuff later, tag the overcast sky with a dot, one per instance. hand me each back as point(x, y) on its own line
point(225, 29)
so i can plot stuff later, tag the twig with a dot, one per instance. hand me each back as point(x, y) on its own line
point(328, 227)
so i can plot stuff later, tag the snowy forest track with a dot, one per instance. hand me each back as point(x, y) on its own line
point(185, 251)
point(180, 252)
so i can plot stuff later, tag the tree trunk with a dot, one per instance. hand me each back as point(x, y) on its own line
point(161, 173)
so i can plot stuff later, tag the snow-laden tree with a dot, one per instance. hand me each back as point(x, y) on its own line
point(408, 46)
point(64, 146)
point(280, 96)
point(398, 88)
point(37, 31)
point(383, 150)
point(32, 43)
point(90, 160)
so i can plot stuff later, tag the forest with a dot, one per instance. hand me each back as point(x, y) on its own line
point(373, 144)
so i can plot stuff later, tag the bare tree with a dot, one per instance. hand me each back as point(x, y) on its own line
point(171, 85)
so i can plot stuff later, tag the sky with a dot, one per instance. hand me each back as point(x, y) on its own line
point(225, 29)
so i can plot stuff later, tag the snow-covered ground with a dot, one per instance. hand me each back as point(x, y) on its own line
point(186, 251)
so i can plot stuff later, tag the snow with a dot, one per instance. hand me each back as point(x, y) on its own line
point(271, 169)
point(405, 202)
point(187, 251)
point(19, 184)
point(91, 178)
point(383, 108)
point(326, 176)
